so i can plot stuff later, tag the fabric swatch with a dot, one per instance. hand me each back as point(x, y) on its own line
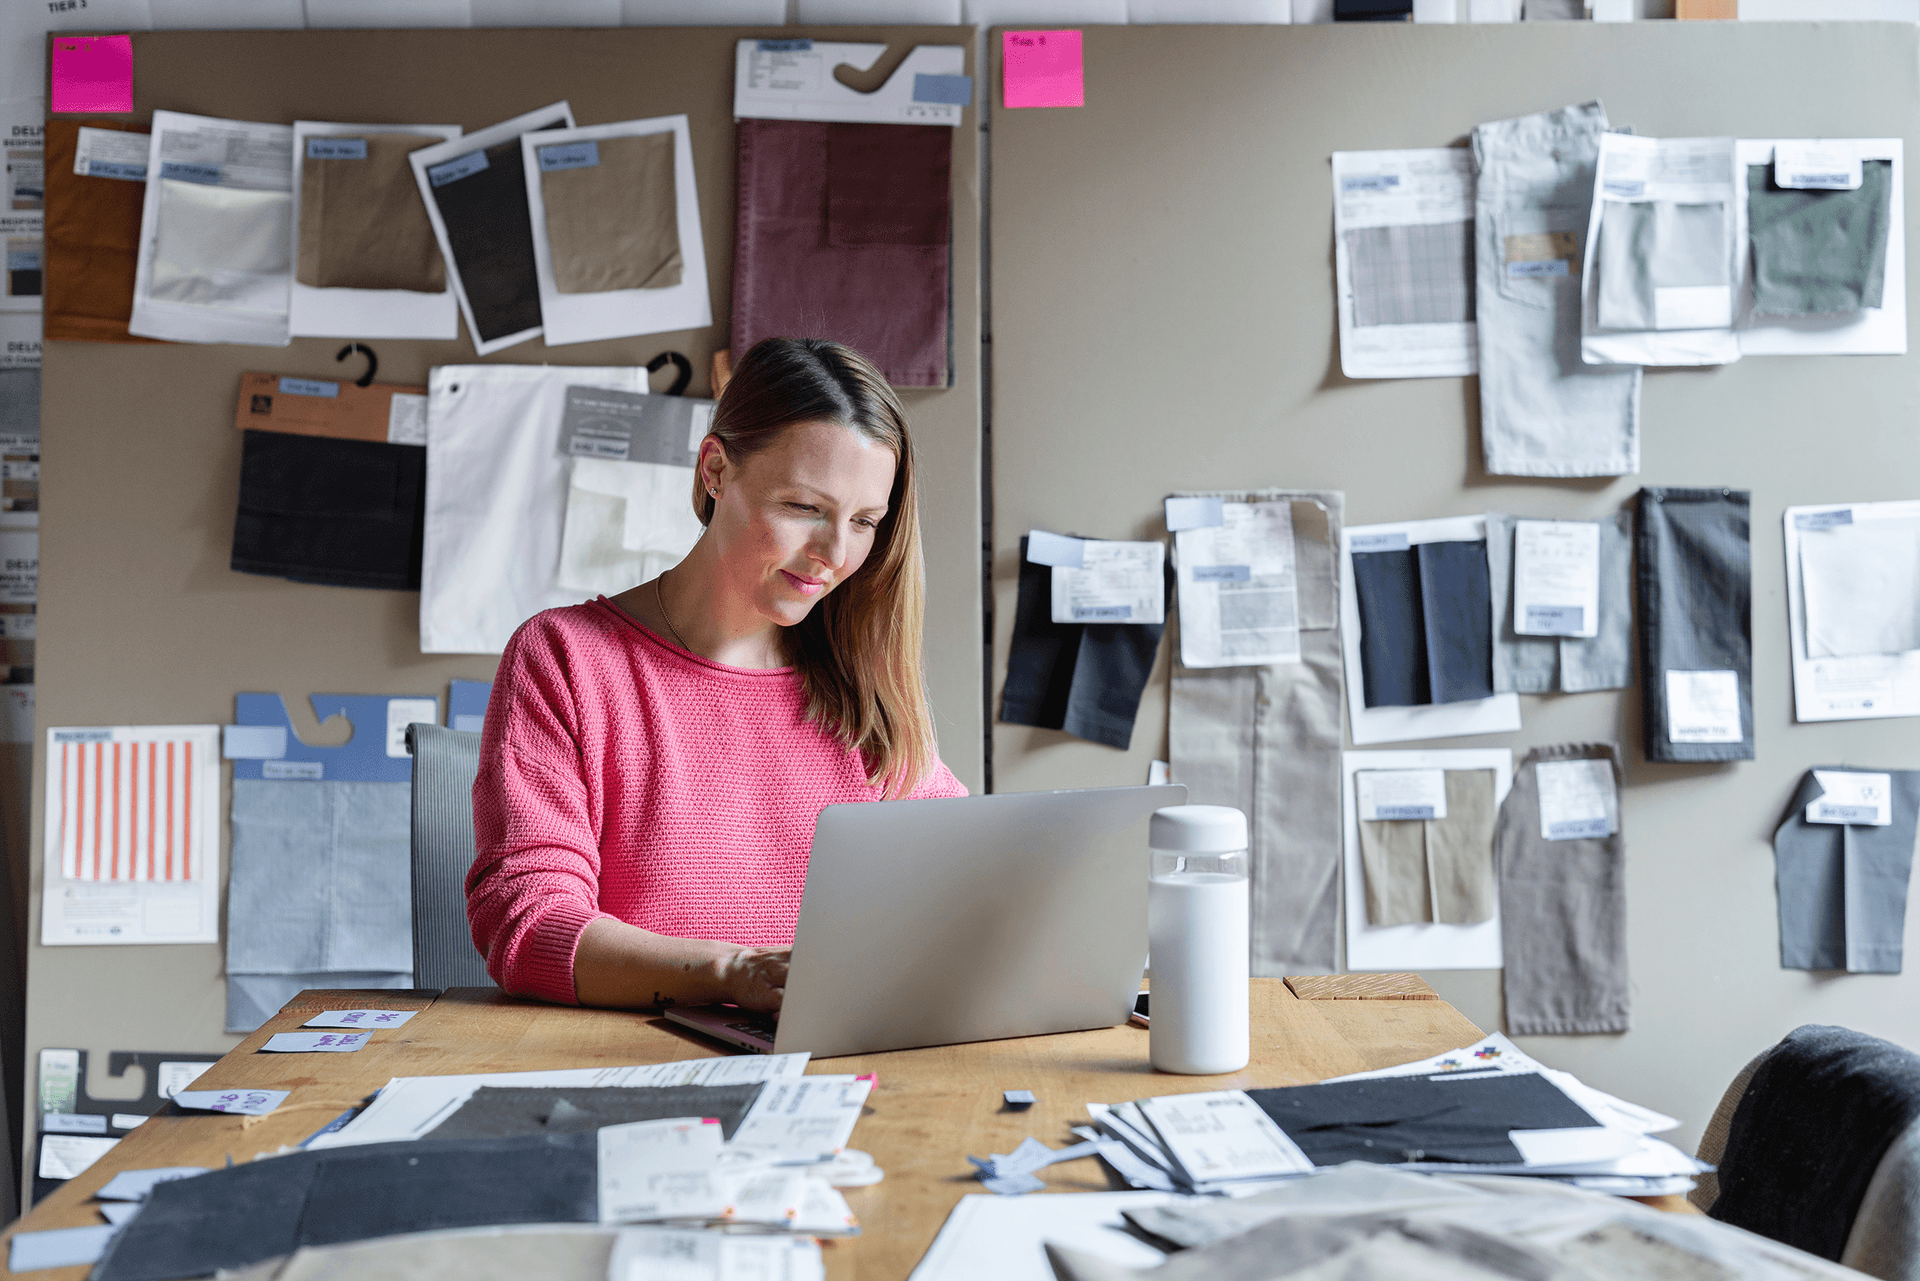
point(824, 225)
point(362, 225)
point(1393, 645)
point(499, 1112)
point(222, 246)
point(1843, 886)
point(1393, 855)
point(1434, 870)
point(1816, 251)
point(317, 509)
point(1417, 274)
point(1570, 664)
point(613, 224)
point(1266, 740)
point(1083, 678)
point(92, 243)
point(1694, 588)
point(1426, 625)
point(1651, 245)
point(625, 524)
point(491, 234)
point(1861, 586)
point(1387, 1120)
point(1563, 913)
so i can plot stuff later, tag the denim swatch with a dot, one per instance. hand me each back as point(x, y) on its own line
point(1694, 583)
point(1426, 626)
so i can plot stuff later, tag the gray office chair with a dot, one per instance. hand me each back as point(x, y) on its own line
point(444, 763)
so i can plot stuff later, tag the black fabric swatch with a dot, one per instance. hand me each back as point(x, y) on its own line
point(1456, 604)
point(504, 1111)
point(348, 513)
point(491, 235)
point(1393, 647)
point(241, 1215)
point(1809, 1133)
point(1083, 678)
point(1389, 1120)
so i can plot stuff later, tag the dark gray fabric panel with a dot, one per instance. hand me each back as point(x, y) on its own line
point(445, 762)
point(1843, 887)
point(1694, 583)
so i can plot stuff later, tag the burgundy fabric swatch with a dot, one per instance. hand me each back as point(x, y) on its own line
point(844, 231)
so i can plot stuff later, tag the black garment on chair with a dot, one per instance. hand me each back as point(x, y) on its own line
point(347, 513)
point(1083, 678)
point(1809, 1133)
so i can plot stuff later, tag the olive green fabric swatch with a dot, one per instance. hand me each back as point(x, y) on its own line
point(1819, 251)
point(362, 223)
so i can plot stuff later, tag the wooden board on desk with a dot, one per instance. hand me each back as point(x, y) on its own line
point(929, 1110)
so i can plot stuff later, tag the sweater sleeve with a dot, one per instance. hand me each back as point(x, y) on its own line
point(940, 783)
point(535, 882)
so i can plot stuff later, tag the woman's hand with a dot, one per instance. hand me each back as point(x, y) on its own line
point(755, 978)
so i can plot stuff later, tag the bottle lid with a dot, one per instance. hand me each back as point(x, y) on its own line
point(1198, 829)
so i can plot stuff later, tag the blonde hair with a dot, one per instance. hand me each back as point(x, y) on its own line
point(859, 650)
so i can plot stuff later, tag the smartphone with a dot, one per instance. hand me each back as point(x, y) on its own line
point(1139, 1014)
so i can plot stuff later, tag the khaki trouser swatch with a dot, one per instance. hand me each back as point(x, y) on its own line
point(614, 224)
point(1266, 740)
point(1439, 869)
point(362, 225)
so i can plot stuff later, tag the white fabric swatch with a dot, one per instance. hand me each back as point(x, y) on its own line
point(1862, 587)
point(223, 247)
point(626, 522)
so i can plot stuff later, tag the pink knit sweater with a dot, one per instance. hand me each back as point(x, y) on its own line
point(623, 776)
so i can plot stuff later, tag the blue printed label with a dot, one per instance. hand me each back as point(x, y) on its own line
point(1627, 190)
point(1390, 812)
point(1823, 520)
point(1102, 613)
point(457, 168)
point(954, 91)
point(569, 155)
point(83, 736)
point(1371, 182)
point(1222, 573)
point(183, 171)
point(1379, 543)
point(1849, 813)
point(1555, 620)
point(113, 169)
point(336, 148)
point(292, 769)
point(308, 387)
point(1579, 829)
point(1547, 267)
point(785, 46)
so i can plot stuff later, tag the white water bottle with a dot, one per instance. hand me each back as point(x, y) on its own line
point(1197, 924)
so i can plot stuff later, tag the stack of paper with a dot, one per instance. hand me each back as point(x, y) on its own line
point(1484, 1109)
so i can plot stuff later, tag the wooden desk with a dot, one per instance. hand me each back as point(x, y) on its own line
point(930, 1109)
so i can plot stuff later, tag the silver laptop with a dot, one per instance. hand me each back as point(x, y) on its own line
point(971, 919)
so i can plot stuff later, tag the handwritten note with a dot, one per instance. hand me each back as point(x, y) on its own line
point(95, 73)
point(238, 1102)
point(310, 1042)
point(360, 1018)
point(1042, 69)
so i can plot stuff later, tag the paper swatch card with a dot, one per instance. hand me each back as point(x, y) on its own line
point(1850, 797)
point(360, 1018)
point(314, 1042)
point(1578, 800)
point(1556, 577)
point(1238, 603)
point(1388, 795)
point(804, 1118)
point(1113, 583)
point(1042, 69)
point(238, 1102)
point(1703, 707)
point(1223, 1135)
point(668, 1169)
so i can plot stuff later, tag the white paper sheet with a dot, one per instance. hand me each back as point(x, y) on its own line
point(1001, 1237)
point(656, 1170)
point(804, 1118)
point(135, 861)
point(1427, 945)
point(1859, 687)
point(216, 257)
point(1692, 319)
point(1407, 190)
point(364, 313)
point(1578, 799)
point(1873, 332)
point(1556, 577)
point(689, 1254)
point(1239, 606)
point(621, 313)
point(1497, 715)
point(551, 118)
point(1113, 583)
point(1222, 1134)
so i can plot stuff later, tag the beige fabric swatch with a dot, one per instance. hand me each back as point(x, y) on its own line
point(362, 223)
point(1460, 850)
point(221, 246)
point(613, 225)
point(1394, 857)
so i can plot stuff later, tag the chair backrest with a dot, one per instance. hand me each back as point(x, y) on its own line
point(444, 764)
point(1884, 1241)
point(1713, 1141)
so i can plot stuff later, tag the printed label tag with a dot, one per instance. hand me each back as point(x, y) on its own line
point(956, 91)
point(308, 770)
point(308, 387)
point(1543, 246)
point(188, 171)
point(1536, 269)
point(457, 168)
point(1556, 577)
point(1379, 543)
point(1625, 189)
point(73, 1123)
point(1823, 520)
point(1388, 795)
point(239, 1102)
point(1223, 573)
point(115, 169)
point(402, 712)
point(111, 153)
point(1703, 707)
point(1852, 797)
point(336, 148)
point(1370, 182)
point(628, 426)
point(569, 155)
point(407, 419)
point(1194, 513)
point(1108, 582)
point(314, 1042)
point(1056, 550)
point(360, 1018)
point(785, 46)
point(1817, 165)
point(1102, 613)
point(1578, 800)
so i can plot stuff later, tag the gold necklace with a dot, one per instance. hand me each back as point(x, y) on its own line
point(661, 601)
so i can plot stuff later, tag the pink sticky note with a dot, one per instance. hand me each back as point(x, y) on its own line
point(1041, 69)
point(92, 73)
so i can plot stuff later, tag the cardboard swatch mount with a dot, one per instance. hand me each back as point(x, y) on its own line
point(377, 752)
point(794, 80)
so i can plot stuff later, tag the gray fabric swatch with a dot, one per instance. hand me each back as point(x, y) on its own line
point(1694, 587)
point(1843, 887)
point(500, 1112)
point(1819, 251)
point(1563, 913)
point(1570, 664)
point(1415, 274)
point(1656, 244)
point(1393, 858)
point(321, 884)
point(445, 762)
point(1267, 741)
point(1543, 411)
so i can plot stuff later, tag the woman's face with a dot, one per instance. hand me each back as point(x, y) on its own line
point(797, 519)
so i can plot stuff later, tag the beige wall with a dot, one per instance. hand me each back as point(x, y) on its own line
point(1163, 319)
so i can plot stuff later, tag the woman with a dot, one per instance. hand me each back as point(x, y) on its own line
point(653, 764)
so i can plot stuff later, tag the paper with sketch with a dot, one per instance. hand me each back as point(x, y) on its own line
point(804, 1118)
point(1844, 589)
point(1222, 1134)
point(1238, 606)
point(1113, 583)
point(654, 1170)
point(1403, 262)
point(409, 1106)
point(360, 1018)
